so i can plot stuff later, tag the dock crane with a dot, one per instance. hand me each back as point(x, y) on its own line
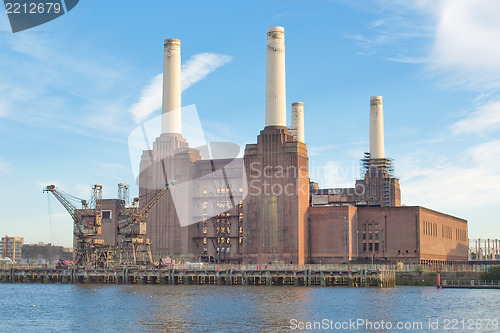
point(135, 248)
point(90, 251)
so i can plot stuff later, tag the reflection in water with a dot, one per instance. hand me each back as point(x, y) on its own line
point(132, 308)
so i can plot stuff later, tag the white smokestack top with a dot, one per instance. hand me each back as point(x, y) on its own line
point(275, 78)
point(298, 121)
point(376, 127)
point(171, 103)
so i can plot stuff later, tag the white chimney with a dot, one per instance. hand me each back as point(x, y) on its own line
point(376, 127)
point(275, 78)
point(171, 103)
point(298, 121)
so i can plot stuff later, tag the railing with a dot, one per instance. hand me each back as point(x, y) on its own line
point(470, 283)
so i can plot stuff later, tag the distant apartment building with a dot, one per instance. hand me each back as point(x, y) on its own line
point(11, 247)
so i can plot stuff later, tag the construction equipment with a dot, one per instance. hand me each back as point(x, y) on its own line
point(135, 248)
point(90, 251)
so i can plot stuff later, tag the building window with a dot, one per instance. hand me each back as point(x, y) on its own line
point(376, 247)
point(204, 191)
point(205, 240)
point(205, 230)
point(106, 214)
point(364, 247)
point(241, 240)
point(370, 247)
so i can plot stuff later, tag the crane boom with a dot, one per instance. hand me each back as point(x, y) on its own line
point(143, 213)
point(72, 210)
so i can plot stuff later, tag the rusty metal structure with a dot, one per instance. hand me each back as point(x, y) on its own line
point(135, 248)
point(90, 251)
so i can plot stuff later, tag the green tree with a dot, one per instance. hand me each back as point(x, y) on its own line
point(493, 274)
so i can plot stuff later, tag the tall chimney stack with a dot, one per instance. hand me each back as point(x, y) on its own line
point(275, 78)
point(298, 121)
point(376, 127)
point(171, 103)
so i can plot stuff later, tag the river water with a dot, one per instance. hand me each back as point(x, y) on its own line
point(179, 308)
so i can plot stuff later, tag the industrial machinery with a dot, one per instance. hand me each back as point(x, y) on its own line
point(135, 248)
point(90, 251)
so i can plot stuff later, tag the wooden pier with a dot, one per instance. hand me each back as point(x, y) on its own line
point(205, 276)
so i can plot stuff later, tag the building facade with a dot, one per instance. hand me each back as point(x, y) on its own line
point(263, 209)
point(11, 247)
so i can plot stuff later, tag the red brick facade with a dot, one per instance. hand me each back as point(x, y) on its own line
point(275, 210)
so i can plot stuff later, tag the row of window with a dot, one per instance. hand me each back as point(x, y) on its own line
point(223, 190)
point(370, 235)
point(371, 247)
point(222, 240)
point(222, 230)
point(461, 235)
point(221, 204)
point(430, 229)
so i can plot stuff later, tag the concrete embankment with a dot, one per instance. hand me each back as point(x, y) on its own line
point(430, 278)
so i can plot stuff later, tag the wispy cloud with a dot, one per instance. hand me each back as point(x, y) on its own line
point(408, 60)
point(149, 101)
point(485, 118)
point(195, 69)
point(333, 175)
point(5, 167)
point(47, 83)
point(317, 150)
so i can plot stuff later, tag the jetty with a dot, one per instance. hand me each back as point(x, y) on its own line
point(210, 275)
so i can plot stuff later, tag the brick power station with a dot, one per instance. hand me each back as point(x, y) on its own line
point(263, 208)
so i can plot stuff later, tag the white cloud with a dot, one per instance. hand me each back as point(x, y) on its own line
point(485, 118)
point(466, 42)
point(457, 40)
point(195, 69)
point(469, 179)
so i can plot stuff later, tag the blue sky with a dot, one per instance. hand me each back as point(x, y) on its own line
point(72, 90)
